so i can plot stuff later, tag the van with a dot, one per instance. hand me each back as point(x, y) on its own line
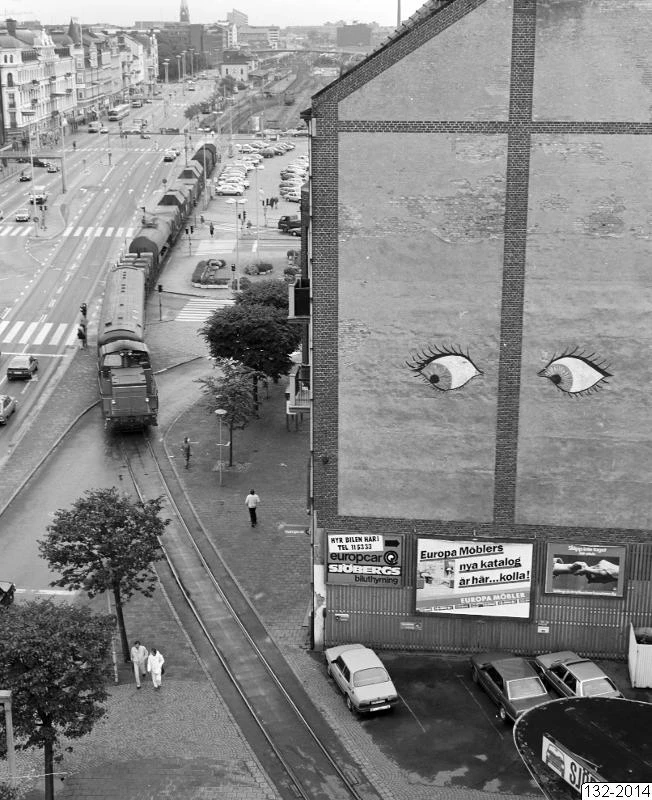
point(290, 223)
point(93, 127)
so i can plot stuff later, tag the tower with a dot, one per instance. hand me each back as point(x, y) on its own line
point(184, 14)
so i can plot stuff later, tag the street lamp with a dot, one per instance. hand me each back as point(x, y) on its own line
point(192, 58)
point(258, 193)
point(178, 67)
point(63, 153)
point(166, 65)
point(235, 201)
point(220, 413)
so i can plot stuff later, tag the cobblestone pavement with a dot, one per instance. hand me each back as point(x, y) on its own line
point(182, 742)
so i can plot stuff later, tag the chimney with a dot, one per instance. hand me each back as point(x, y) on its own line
point(11, 26)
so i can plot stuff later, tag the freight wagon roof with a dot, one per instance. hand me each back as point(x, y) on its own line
point(174, 197)
point(193, 170)
point(123, 308)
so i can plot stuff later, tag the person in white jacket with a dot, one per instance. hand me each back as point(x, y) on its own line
point(155, 663)
point(139, 660)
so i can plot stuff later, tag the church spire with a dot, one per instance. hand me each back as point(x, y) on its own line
point(184, 14)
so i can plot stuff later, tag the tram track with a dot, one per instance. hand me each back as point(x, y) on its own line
point(299, 752)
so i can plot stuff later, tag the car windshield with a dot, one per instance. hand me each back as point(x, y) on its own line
point(521, 688)
point(597, 686)
point(367, 677)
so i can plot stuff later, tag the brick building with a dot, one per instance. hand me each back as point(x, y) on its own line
point(481, 284)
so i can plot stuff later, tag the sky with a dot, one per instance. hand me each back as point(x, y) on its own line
point(260, 12)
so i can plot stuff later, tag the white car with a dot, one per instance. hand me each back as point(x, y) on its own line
point(361, 677)
point(22, 215)
point(230, 188)
point(292, 197)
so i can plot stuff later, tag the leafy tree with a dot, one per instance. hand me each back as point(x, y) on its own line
point(8, 792)
point(271, 292)
point(54, 660)
point(258, 336)
point(234, 392)
point(106, 542)
point(192, 111)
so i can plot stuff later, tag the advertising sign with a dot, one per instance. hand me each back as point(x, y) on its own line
point(479, 578)
point(572, 768)
point(365, 559)
point(593, 569)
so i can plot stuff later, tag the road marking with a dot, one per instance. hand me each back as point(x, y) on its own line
point(58, 333)
point(23, 232)
point(68, 230)
point(109, 231)
point(78, 231)
point(40, 336)
point(416, 719)
point(3, 325)
point(72, 338)
point(29, 330)
point(88, 233)
point(13, 331)
point(119, 232)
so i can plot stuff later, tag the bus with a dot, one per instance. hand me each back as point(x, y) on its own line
point(118, 112)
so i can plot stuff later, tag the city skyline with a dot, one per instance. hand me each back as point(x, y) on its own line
point(122, 13)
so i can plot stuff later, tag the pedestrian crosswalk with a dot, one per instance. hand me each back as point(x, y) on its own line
point(199, 309)
point(75, 231)
point(37, 334)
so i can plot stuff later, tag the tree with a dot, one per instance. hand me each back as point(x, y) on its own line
point(271, 292)
point(54, 660)
point(106, 542)
point(232, 391)
point(259, 336)
point(8, 792)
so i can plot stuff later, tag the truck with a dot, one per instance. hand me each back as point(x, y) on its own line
point(38, 195)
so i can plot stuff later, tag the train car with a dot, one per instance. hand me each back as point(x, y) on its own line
point(125, 377)
point(207, 157)
point(180, 195)
point(157, 236)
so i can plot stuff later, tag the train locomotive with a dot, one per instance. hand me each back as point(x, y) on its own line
point(125, 375)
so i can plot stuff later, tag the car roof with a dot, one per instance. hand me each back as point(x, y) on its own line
point(20, 359)
point(511, 668)
point(355, 656)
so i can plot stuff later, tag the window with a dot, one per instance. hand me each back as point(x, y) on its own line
point(10, 78)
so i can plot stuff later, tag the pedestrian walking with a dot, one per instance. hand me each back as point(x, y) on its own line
point(186, 451)
point(155, 667)
point(81, 335)
point(139, 655)
point(251, 501)
point(211, 228)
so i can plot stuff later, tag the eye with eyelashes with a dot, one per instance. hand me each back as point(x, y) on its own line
point(575, 373)
point(444, 368)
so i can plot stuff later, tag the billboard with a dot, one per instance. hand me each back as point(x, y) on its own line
point(477, 578)
point(588, 569)
point(364, 559)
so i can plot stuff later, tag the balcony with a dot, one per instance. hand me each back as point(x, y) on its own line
point(297, 393)
point(299, 300)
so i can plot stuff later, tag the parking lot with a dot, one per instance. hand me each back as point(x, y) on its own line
point(446, 731)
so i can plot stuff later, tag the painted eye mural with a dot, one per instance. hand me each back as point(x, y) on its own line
point(576, 374)
point(443, 368)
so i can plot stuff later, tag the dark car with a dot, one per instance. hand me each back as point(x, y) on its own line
point(24, 178)
point(573, 676)
point(38, 162)
point(22, 367)
point(510, 681)
point(290, 223)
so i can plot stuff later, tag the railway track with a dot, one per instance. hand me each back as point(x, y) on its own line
point(299, 752)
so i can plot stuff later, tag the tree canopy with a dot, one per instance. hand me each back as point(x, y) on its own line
point(54, 660)
point(106, 541)
point(259, 336)
point(270, 292)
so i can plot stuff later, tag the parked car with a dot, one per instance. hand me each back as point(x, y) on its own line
point(230, 188)
point(511, 682)
point(8, 406)
point(22, 215)
point(362, 678)
point(292, 197)
point(573, 676)
point(267, 152)
point(22, 367)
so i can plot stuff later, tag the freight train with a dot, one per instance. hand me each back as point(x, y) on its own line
point(125, 375)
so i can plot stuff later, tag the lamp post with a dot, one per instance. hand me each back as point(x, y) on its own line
point(258, 193)
point(234, 201)
point(183, 65)
point(192, 65)
point(178, 67)
point(166, 66)
point(63, 153)
point(220, 413)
